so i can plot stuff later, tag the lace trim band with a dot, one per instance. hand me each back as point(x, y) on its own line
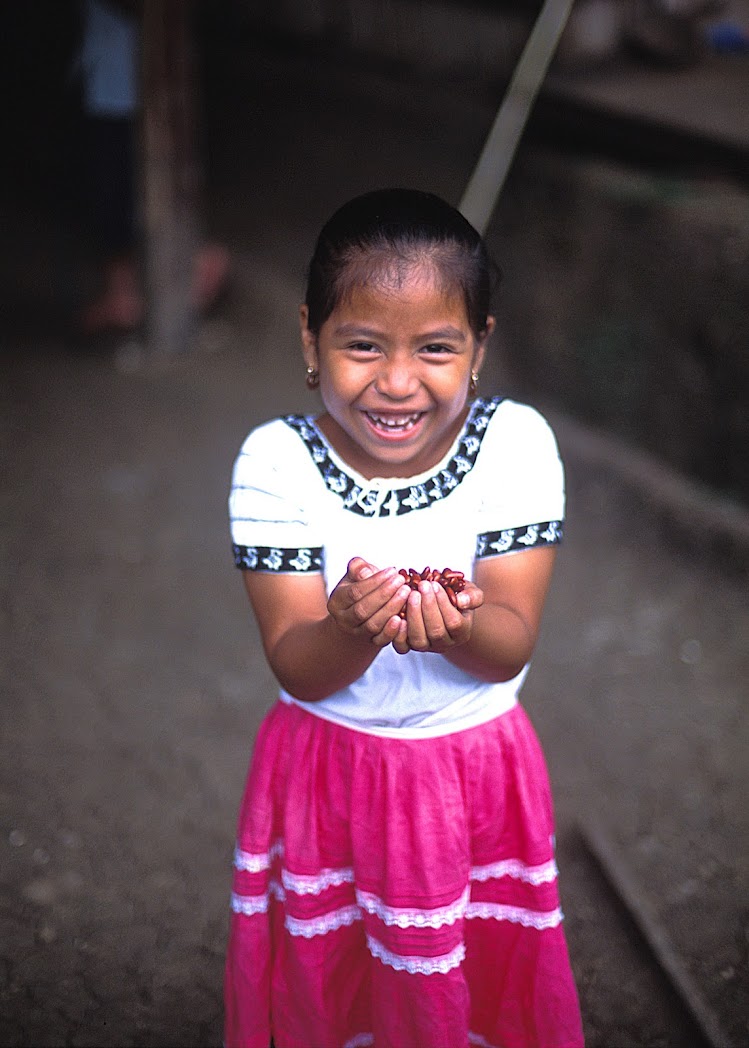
point(256, 862)
point(516, 869)
point(400, 917)
point(527, 536)
point(417, 965)
point(516, 914)
point(249, 904)
point(413, 918)
point(270, 558)
point(275, 888)
point(321, 925)
point(315, 885)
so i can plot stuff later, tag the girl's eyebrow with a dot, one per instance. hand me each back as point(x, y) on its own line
point(448, 332)
point(347, 330)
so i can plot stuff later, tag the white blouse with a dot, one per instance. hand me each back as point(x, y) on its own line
point(296, 507)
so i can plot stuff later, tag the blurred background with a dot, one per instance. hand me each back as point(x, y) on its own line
point(165, 172)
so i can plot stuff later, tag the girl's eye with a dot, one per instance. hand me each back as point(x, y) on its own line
point(362, 347)
point(436, 348)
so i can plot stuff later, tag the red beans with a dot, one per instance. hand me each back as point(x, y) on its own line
point(451, 581)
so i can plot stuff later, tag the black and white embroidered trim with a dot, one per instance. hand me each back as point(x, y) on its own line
point(490, 543)
point(376, 503)
point(270, 558)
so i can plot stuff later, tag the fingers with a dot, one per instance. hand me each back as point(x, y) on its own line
point(365, 606)
point(434, 622)
point(359, 569)
point(395, 632)
point(400, 640)
point(426, 624)
point(470, 598)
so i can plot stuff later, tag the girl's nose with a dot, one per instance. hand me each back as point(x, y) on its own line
point(396, 380)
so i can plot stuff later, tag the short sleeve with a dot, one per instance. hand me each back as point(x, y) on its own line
point(522, 477)
point(269, 516)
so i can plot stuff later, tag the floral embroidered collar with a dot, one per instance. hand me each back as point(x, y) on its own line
point(378, 500)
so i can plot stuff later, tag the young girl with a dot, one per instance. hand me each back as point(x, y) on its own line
point(395, 882)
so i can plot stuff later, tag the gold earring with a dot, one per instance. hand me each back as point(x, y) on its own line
point(474, 383)
point(313, 377)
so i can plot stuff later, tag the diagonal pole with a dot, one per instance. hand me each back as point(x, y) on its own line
point(486, 182)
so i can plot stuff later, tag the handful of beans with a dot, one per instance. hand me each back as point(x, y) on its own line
point(451, 581)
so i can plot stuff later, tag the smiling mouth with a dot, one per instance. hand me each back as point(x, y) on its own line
point(394, 423)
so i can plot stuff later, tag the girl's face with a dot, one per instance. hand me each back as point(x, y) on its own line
point(395, 365)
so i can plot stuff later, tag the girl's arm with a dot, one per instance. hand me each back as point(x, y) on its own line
point(491, 639)
point(316, 645)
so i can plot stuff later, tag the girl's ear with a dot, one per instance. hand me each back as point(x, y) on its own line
point(309, 342)
point(478, 358)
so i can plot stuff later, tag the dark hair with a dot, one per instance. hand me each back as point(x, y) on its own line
point(381, 235)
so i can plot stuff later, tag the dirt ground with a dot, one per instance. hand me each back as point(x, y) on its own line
point(133, 681)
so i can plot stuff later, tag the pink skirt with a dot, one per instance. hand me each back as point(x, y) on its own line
point(397, 893)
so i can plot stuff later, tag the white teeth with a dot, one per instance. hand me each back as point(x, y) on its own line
point(405, 422)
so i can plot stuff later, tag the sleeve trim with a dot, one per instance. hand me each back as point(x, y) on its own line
point(527, 536)
point(295, 560)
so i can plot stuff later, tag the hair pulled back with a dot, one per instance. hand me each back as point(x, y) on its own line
point(378, 238)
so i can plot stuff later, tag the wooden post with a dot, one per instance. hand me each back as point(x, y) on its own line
point(488, 178)
point(169, 175)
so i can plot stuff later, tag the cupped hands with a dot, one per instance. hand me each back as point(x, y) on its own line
point(377, 605)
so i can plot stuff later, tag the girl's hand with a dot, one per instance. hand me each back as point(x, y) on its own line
point(433, 623)
point(366, 602)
